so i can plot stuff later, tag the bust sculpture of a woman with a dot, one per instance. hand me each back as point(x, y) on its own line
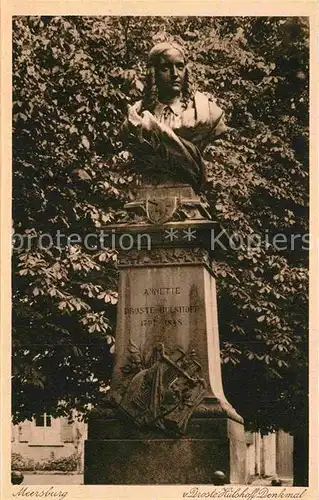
point(168, 130)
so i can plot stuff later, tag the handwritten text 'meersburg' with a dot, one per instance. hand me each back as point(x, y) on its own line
point(51, 492)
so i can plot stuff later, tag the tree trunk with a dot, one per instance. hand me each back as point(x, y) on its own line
point(301, 458)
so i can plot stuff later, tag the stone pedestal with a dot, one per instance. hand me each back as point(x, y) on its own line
point(167, 420)
point(118, 453)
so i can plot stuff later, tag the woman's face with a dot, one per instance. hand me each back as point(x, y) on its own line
point(170, 73)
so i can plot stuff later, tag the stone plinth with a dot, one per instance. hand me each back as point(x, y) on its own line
point(117, 452)
point(169, 422)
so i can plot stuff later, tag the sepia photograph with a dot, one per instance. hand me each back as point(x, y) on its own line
point(160, 253)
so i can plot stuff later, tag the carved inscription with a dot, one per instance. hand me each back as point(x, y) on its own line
point(159, 314)
point(162, 291)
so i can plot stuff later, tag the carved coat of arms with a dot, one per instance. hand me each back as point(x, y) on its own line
point(160, 210)
point(166, 393)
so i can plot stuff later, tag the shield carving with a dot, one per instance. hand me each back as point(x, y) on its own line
point(160, 210)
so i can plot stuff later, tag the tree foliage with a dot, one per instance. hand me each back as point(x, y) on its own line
point(72, 80)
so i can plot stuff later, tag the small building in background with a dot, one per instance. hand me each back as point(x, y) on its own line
point(46, 441)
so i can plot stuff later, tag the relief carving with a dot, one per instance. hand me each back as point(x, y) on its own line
point(164, 390)
point(164, 256)
point(160, 210)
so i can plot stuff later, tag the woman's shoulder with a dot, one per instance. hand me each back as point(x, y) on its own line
point(206, 107)
point(203, 96)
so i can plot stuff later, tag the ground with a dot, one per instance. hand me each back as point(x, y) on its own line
point(63, 479)
point(67, 479)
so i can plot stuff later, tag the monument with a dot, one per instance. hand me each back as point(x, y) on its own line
point(166, 419)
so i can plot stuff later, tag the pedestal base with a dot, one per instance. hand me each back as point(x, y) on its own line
point(166, 378)
point(116, 454)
